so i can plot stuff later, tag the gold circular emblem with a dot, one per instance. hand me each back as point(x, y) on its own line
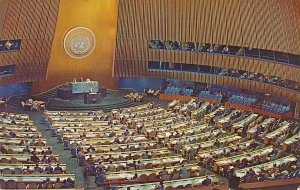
point(79, 42)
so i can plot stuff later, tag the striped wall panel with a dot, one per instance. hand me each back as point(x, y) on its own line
point(263, 24)
point(34, 22)
point(3, 8)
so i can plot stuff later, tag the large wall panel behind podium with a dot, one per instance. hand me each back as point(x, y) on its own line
point(100, 16)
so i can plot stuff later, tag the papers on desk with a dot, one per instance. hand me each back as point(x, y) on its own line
point(192, 103)
point(249, 156)
point(225, 162)
point(293, 139)
point(173, 103)
point(212, 114)
point(241, 174)
point(268, 165)
point(283, 127)
point(227, 118)
point(202, 108)
point(245, 121)
point(171, 183)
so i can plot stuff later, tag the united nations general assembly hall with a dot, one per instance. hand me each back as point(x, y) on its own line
point(150, 94)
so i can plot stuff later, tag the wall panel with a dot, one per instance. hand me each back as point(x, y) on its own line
point(34, 23)
point(3, 8)
point(263, 24)
point(101, 18)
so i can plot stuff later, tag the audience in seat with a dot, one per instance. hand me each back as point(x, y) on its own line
point(33, 105)
point(261, 78)
point(243, 100)
point(27, 161)
point(178, 91)
point(208, 95)
point(151, 92)
point(135, 97)
point(188, 145)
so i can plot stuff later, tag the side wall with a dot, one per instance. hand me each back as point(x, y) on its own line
point(32, 21)
point(263, 24)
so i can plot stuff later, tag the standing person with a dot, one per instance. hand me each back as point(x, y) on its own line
point(100, 178)
point(160, 186)
point(73, 151)
point(234, 182)
point(86, 177)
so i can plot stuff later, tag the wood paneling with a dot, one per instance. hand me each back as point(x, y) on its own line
point(34, 22)
point(263, 24)
point(3, 8)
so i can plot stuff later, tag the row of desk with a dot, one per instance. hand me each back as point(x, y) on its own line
point(15, 160)
point(142, 116)
point(160, 158)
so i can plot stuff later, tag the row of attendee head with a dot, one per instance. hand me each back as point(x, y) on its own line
point(49, 169)
point(48, 184)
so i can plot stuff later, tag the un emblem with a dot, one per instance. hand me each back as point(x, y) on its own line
point(79, 42)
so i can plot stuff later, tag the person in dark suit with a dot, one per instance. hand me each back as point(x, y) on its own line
point(206, 182)
point(234, 182)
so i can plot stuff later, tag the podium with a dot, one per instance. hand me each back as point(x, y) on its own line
point(92, 98)
point(89, 92)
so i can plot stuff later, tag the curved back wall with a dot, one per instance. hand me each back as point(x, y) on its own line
point(100, 17)
point(263, 24)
